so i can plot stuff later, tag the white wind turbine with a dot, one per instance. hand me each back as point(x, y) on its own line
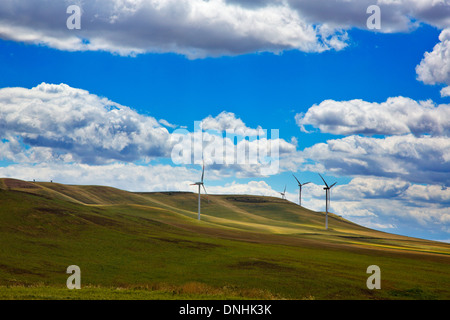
point(200, 184)
point(300, 191)
point(327, 199)
point(283, 194)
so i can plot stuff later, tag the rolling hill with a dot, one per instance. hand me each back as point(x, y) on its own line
point(151, 246)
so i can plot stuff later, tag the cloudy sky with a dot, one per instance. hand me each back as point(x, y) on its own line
point(115, 101)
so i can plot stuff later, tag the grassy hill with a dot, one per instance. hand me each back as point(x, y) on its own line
point(151, 246)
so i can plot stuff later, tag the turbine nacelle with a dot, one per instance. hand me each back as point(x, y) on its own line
point(299, 183)
point(327, 187)
point(283, 194)
point(300, 190)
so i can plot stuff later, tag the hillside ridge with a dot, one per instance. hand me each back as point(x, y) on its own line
point(245, 246)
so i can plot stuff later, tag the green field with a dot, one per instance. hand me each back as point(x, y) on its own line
point(151, 246)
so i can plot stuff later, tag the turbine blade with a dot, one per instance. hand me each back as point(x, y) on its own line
point(306, 183)
point(284, 189)
point(203, 171)
point(333, 185)
point(206, 193)
point(297, 180)
point(323, 180)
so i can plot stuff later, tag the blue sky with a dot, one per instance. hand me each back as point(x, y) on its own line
point(373, 67)
point(391, 163)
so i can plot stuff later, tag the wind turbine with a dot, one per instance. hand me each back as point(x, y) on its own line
point(283, 194)
point(200, 184)
point(300, 191)
point(327, 199)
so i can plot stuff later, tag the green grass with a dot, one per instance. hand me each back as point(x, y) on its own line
point(150, 246)
point(191, 291)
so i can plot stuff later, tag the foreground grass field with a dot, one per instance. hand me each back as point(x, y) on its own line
point(189, 291)
point(150, 246)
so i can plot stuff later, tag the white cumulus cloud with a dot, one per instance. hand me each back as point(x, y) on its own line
point(198, 28)
point(71, 121)
point(435, 65)
point(194, 28)
point(395, 116)
point(422, 159)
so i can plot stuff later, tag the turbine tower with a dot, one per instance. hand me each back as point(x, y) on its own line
point(283, 194)
point(327, 199)
point(200, 184)
point(300, 191)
